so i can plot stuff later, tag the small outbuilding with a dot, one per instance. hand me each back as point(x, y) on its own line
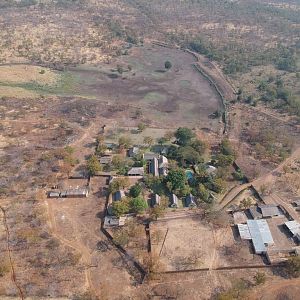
point(112, 221)
point(117, 196)
point(269, 211)
point(174, 201)
point(136, 171)
point(53, 194)
point(190, 201)
point(255, 212)
point(77, 193)
point(239, 217)
point(133, 151)
point(105, 160)
point(155, 200)
point(150, 155)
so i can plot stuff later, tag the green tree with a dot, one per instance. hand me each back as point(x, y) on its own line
point(246, 203)
point(199, 146)
point(141, 127)
point(218, 185)
point(120, 208)
point(190, 155)
point(226, 148)
point(93, 165)
point(125, 142)
point(138, 205)
point(184, 136)
point(118, 184)
point(162, 140)
point(203, 193)
point(224, 160)
point(176, 179)
point(156, 212)
point(135, 190)
point(168, 65)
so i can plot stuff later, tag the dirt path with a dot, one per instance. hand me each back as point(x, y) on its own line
point(9, 252)
point(260, 181)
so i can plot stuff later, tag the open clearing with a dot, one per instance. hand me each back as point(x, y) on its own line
point(165, 97)
point(187, 243)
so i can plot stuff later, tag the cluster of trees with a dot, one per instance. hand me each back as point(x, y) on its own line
point(226, 155)
point(268, 145)
point(189, 151)
point(66, 155)
point(135, 203)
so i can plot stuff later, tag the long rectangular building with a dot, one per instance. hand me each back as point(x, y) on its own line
point(259, 232)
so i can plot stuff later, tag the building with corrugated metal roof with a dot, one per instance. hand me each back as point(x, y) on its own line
point(260, 234)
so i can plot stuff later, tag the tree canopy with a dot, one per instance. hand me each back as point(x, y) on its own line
point(184, 135)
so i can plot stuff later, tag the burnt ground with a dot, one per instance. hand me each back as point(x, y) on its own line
point(165, 97)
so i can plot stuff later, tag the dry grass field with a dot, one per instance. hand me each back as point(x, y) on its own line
point(187, 244)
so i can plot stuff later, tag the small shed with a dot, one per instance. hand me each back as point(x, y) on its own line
point(269, 211)
point(105, 160)
point(150, 155)
point(153, 168)
point(255, 213)
point(155, 200)
point(174, 201)
point(190, 201)
point(112, 221)
point(136, 171)
point(239, 217)
point(77, 193)
point(133, 151)
point(117, 196)
point(293, 227)
point(54, 194)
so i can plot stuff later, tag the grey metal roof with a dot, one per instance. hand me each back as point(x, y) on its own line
point(260, 234)
point(54, 194)
point(163, 161)
point(156, 200)
point(269, 210)
point(190, 200)
point(105, 159)
point(154, 167)
point(150, 156)
point(174, 200)
point(293, 226)
point(136, 171)
point(133, 151)
point(244, 231)
point(255, 213)
point(77, 192)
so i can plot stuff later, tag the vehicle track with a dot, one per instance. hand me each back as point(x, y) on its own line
point(9, 251)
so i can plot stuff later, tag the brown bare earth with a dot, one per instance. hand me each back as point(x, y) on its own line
point(69, 67)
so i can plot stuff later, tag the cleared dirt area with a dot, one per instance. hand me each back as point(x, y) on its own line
point(187, 243)
point(76, 223)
